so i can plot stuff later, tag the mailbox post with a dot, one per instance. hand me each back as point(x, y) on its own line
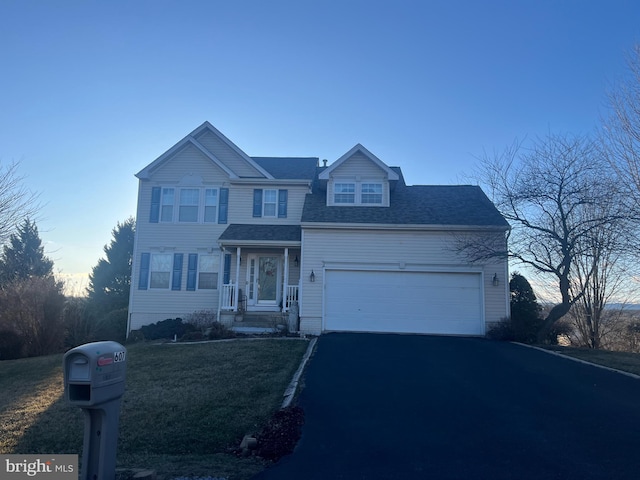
point(94, 377)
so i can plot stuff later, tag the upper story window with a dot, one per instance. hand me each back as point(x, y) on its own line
point(210, 205)
point(166, 211)
point(189, 205)
point(189, 202)
point(344, 193)
point(357, 193)
point(270, 203)
point(371, 193)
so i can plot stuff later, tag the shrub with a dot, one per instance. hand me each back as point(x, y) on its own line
point(514, 330)
point(201, 319)
point(218, 330)
point(33, 308)
point(113, 326)
point(79, 322)
point(168, 328)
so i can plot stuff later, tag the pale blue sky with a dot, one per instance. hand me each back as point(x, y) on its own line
point(91, 92)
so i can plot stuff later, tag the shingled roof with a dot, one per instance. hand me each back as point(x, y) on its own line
point(460, 205)
point(261, 233)
point(289, 168)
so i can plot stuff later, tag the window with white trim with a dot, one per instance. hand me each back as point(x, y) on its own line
point(371, 193)
point(194, 205)
point(269, 203)
point(189, 201)
point(160, 270)
point(208, 272)
point(166, 205)
point(210, 205)
point(344, 193)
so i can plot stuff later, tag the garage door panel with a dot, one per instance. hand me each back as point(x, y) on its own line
point(404, 302)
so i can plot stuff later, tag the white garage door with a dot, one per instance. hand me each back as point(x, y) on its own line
point(404, 302)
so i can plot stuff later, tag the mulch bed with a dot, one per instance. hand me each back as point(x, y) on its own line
point(281, 434)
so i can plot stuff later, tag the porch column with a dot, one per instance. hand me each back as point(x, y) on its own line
point(236, 293)
point(285, 288)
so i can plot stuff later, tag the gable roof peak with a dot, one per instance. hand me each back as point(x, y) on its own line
point(206, 125)
point(358, 147)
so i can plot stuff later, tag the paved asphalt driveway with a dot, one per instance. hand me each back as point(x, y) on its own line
point(422, 407)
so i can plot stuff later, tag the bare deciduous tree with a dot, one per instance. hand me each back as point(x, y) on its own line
point(544, 191)
point(16, 201)
point(601, 273)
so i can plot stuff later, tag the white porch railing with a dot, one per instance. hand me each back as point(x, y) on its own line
point(291, 295)
point(228, 300)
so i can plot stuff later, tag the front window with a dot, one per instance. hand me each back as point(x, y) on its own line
point(344, 193)
point(189, 199)
point(166, 211)
point(208, 272)
point(269, 203)
point(371, 193)
point(160, 270)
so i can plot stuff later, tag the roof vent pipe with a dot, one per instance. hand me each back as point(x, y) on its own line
point(324, 162)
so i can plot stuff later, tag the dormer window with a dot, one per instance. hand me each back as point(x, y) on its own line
point(344, 193)
point(358, 193)
point(371, 193)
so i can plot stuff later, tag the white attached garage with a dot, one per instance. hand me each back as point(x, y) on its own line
point(403, 302)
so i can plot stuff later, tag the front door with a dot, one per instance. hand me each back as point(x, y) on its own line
point(263, 282)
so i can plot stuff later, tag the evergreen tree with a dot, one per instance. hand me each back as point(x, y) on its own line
point(110, 279)
point(23, 257)
point(525, 310)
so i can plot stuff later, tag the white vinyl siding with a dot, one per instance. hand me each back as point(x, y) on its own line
point(187, 161)
point(227, 155)
point(241, 205)
point(387, 250)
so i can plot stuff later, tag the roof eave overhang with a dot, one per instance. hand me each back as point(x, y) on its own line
point(259, 243)
point(404, 227)
point(269, 181)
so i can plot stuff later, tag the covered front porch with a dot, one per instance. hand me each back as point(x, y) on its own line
point(261, 277)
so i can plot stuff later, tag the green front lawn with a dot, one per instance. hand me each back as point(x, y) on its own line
point(186, 406)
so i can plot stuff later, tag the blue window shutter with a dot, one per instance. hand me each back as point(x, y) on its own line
point(192, 271)
point(282, 203)
point(143, 281)
point(155, 205)
point(227, 269)
point(223, 205)
point(257, 202)
point(176, 280)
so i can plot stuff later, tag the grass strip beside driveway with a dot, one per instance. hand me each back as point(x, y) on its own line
point(184, 409)
point(624, 361)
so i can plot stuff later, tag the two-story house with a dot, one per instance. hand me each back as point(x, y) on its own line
point(350, 243)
